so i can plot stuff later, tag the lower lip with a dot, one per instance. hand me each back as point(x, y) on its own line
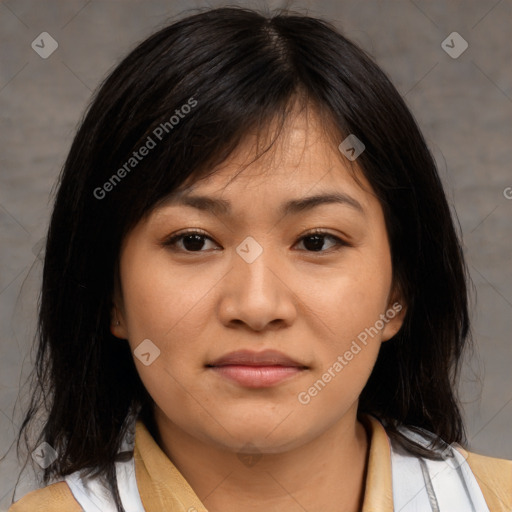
point(257, 376)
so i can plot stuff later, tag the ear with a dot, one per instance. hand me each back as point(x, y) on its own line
point(118, 323)
point(394, 315)
point(117, 316)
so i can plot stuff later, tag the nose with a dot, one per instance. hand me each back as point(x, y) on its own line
point(257, 294)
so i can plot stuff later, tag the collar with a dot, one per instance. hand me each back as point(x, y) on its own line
point(163, 487)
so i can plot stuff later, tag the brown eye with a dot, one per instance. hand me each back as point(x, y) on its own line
point(190, 241)
point(314, 242)
point(194, 241)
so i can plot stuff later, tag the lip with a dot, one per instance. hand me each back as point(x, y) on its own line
point(256, 369)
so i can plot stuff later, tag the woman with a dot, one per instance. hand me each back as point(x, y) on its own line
point(254, 297)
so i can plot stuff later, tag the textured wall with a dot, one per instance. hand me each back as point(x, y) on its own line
point(463, 104)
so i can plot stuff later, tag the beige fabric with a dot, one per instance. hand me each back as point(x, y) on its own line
point(378, 493)
point(494, 476)
point(161, 485)
point(53, 498)
point(163, 488)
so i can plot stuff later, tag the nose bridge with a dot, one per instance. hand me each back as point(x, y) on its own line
point(253, 263)
point(255, 294)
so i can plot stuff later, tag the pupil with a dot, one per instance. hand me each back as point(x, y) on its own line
point(197, 242)
point(317, 245)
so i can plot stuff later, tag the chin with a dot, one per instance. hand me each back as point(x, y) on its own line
point(268, 434)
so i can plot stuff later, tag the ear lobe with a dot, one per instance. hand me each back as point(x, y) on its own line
point(117, 321)
point(117, 324)
point(395, 315)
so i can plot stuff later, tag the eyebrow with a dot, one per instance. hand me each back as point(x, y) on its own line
point(217, 206)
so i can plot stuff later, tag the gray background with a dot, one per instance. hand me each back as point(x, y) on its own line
point(463, 105)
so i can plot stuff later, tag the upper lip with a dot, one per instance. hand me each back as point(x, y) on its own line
point(250, 358)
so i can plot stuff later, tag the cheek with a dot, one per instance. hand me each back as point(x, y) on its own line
point(349, 301)
point(349, 308)
point(170, 308)
point(162, 306)
point(351, 297)
point(159, 300)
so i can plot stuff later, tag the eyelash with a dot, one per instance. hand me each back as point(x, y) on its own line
point(172, 240)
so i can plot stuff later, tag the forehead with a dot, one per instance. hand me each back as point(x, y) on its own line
point(299, 159)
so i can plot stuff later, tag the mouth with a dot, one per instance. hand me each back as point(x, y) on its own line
point(257, 369)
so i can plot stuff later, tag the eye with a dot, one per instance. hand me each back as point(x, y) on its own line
point(314, 240)
point(192, 241)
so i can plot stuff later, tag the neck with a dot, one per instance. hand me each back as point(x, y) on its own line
point(326, 473)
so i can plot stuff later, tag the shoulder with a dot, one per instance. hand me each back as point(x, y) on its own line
point(494, 476)
point(56, 497)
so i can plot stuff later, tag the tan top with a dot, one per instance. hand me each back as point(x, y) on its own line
point(163, 488)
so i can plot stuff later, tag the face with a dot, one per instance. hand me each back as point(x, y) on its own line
point(256, 316)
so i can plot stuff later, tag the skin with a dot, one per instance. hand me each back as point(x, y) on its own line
point(198, 305)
